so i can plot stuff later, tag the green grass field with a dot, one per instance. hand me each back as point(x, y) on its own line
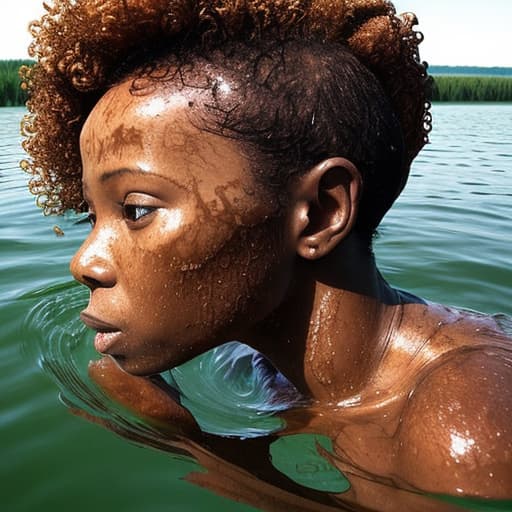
point(472, 88)
point(446, 88)
point(10, 90)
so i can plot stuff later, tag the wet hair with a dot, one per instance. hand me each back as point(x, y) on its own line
point(312, 79)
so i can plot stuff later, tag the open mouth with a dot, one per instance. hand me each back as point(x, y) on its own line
point(106, 334)
point(97, 324)
point(103, 341)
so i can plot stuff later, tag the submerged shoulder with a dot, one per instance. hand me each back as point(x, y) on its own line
point(456, 430)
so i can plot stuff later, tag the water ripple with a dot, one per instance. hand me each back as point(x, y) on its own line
point(231, 390)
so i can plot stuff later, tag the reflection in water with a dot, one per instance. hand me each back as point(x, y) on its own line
point(233, 390)
point(249, 449)
point(64, 347)
point(304, 458)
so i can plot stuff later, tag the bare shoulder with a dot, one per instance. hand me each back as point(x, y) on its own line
point(456, 430)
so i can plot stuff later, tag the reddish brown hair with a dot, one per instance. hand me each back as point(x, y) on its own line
point(80, 45)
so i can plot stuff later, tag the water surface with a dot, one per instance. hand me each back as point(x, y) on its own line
point(447, 239)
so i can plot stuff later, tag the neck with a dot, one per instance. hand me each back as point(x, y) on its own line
point(329, 334)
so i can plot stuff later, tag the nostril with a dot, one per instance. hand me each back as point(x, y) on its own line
point(99, 276)
point(91, 282)
point(97, 273)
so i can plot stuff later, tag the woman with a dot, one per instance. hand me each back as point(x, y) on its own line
point(235, 159)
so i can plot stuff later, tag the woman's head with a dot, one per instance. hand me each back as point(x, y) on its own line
point(186, 250)
point(294, 82)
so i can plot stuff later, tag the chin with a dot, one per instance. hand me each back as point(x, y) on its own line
point(141, 366)
point(153, 362)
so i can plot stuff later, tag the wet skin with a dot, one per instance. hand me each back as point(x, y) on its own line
point(188, 251)
point(171, 259)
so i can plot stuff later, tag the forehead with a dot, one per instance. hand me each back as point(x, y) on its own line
point(161, 129)
point(120, 118)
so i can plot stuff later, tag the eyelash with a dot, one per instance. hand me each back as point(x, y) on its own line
point(131, 212)
point(134, 213)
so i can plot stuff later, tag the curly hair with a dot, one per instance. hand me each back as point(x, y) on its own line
point(80, 46)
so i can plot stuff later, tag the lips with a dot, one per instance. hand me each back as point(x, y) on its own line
point(107, 334)
point(103, 341)
point(96, 323)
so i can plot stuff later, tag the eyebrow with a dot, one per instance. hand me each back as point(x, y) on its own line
point(108, 175)
point(121, 172)
point(126, 170)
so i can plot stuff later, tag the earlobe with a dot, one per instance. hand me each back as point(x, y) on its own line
point(326, 205)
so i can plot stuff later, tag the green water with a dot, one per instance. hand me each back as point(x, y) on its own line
point(448, 239)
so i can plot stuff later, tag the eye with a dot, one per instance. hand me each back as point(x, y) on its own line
point(135, 213)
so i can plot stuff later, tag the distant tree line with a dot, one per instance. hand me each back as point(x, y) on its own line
point(472, 88)
point(11, 93)
point(445, 88)
point(469, 71)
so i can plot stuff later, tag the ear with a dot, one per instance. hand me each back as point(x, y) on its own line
point(325, 205)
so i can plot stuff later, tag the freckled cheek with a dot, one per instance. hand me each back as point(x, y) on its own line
point(195, 281)
point(173, 277)
point(152, 272)
point(178, 245)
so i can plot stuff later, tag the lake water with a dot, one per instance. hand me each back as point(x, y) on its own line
point(448, 239)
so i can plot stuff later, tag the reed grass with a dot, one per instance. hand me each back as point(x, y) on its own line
point(472, 88)
point(445, 87)
point(11, 93)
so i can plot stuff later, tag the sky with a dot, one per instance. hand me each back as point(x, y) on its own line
point(457, 32)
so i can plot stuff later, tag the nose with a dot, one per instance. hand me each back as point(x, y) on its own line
point(92, 264)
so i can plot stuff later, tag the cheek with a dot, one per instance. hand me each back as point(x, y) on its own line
point(243, 281)
point(216, 287)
